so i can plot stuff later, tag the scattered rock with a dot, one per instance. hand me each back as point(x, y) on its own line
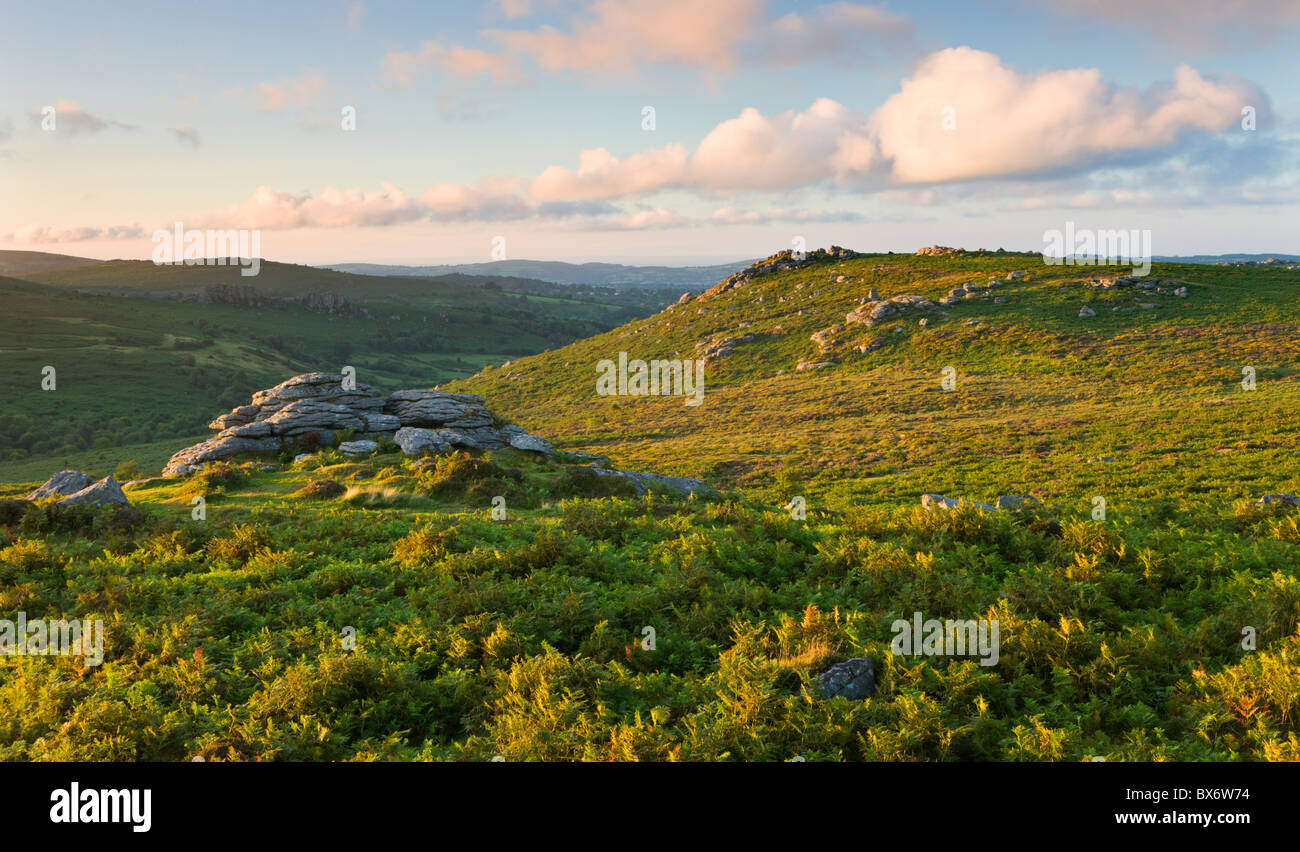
point(875, 344)
point(533, 444)
point(933, 501)
point(213, 449)
point(62, 484)
point(646, 482)
point(104, 492)
point(872, 311)
point(938, 501)
point(825, 339)
point(805, 364)
point(358, 448)
point(712, 350)
point(1086, 311)
point(1284, 499)
point(416, 441)
point(853, 679)
point(1013, 502)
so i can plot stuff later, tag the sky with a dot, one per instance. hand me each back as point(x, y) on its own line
point(647, 131)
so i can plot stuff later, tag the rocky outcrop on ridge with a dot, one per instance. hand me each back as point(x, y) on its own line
point(782, 261)
point(309, 408)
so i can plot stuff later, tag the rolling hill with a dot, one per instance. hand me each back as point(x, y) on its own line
point(1152, 381)
point(616, 275)
point(23, 262)
point(145, 352)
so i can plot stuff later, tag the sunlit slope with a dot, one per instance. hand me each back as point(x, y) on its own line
point(1156, 386)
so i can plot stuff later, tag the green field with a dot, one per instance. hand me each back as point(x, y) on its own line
point(1166, 628)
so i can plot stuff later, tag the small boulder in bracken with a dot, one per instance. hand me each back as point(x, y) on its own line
point(62, 484)
point(853, 679)
point(105, 492)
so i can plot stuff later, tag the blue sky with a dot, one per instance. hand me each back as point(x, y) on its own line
point(772, 121)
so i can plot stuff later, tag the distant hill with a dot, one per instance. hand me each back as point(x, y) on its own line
point(295, 281)
point(143, 277)
point(23, 262)
point(1227, 258)
point(616, 275)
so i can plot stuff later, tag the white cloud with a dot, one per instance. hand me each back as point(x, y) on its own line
point(601, 175)
point(1009, 123)
point(756, 152)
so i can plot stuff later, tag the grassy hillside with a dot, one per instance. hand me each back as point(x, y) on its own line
point(22, 262)
point(138, 368)
point(231, 637)
point(1039, 390)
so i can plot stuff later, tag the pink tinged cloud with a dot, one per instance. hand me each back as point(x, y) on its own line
point(69, 117)
point(844, 32)
point(1006, 124)
point(462, 62)
point(601, 175)
point(619, 36)
point(36, 234)
point(272, 209)
point(293, 91)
